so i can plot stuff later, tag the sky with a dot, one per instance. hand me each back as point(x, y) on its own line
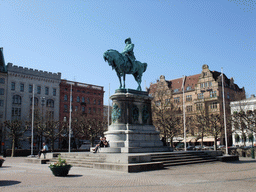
point(174, 38)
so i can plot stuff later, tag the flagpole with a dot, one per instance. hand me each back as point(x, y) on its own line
point(224, 111)
point(32, 122)
point(184, 115)
point(70, 108)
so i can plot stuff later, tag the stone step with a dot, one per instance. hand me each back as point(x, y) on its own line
point(188, 162)
point(185, 158)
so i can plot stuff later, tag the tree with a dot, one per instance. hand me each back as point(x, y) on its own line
point(202, 122)
point(166, 115)
point(15, 129)
point(215, 127)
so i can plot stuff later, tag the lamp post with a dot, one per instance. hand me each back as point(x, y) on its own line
point(32, 122)
point(184, 114)
point(224, 111)
point(70, 108)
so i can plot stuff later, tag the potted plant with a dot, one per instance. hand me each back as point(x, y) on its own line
point(60, 168)
point(1, 161)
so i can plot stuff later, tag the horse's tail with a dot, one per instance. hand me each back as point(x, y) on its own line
point(144, 65)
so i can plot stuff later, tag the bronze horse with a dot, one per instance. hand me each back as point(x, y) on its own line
point(123, 66)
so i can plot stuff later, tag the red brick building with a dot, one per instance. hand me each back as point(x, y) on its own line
point(86, 98)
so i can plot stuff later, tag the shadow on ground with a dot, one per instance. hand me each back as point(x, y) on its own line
point(242, 161)
point(8, 182)
point(74, 176)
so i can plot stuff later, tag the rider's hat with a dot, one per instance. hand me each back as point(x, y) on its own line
point(128, 39)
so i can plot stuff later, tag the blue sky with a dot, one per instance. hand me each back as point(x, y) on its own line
point(174, 37)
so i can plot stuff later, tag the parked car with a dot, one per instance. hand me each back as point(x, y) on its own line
point(189, 148)
point(199, 147)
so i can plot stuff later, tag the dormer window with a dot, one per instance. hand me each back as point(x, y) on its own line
point(176, 90)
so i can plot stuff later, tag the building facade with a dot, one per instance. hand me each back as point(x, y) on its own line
point(3, 90)
point(202, 92)
point(243, 106)
point(20, 85)
point(86, 98)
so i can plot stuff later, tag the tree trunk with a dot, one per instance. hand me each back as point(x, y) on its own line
point(13, 147)
point(215, 143)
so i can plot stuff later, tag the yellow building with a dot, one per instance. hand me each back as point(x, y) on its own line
point(202, 92)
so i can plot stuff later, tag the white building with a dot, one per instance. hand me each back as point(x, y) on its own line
point(20, 83)
point(243, 105)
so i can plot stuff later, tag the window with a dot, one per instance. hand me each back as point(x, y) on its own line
point(1, 91)
point(2, 80)
point(30, 88)
point(83, 109)
point(54, 92)
point(16, 112)
point(189, 108)
point(188, 97)
point(202, 85)
point(214, 105)
point(38, 89)
point(205, 84)
point(22, 87)
point(200, 96)
point(76, 108)
point(65, 97)
point(199, 106)
point(78, 99)
point(90, 110)
point(78, 90)
point(228, 96)
point(50, 103)
point(88, 100)
point(65, 108)
point(210, 84)
point(46, 90)
point(94, 101)
point(16, 99)
point(99, 102)
point(189, 88)
point(176, 90)
point(35, 101)
point(176, 99)
point(94, 110)
point(83, 99)
point(50, 115)
point(13, 86)
point(167, 101)
point(1, 103)
point(64, 119)
point(213, 94)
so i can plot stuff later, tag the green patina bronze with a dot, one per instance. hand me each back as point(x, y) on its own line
point(125, 63)
point(116, 113)
point(145, 114)
point(135, 113)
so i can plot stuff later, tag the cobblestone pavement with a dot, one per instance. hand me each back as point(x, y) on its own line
point(16, 175)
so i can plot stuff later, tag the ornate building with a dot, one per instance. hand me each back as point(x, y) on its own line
point(202, 92)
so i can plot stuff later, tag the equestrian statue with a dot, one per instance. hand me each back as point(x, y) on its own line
point(125, 63)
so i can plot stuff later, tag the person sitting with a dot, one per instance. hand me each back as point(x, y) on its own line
point(100, 144)
point(44, 150)
point(105, 143)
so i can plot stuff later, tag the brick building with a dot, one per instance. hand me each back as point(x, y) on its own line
point(201, 92)
point(86, 98)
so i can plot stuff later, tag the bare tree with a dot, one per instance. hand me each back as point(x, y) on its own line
point(15, 129)
point(166, 115)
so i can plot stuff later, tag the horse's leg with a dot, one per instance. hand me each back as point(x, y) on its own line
point(124, 80)
point(119, 80)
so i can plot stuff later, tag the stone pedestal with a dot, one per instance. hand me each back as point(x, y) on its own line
point(131, 130)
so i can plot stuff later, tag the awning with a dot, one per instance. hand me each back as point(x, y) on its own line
point(206, 139)
point(189, 139)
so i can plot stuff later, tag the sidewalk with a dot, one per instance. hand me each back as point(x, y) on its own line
point(16, 175)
